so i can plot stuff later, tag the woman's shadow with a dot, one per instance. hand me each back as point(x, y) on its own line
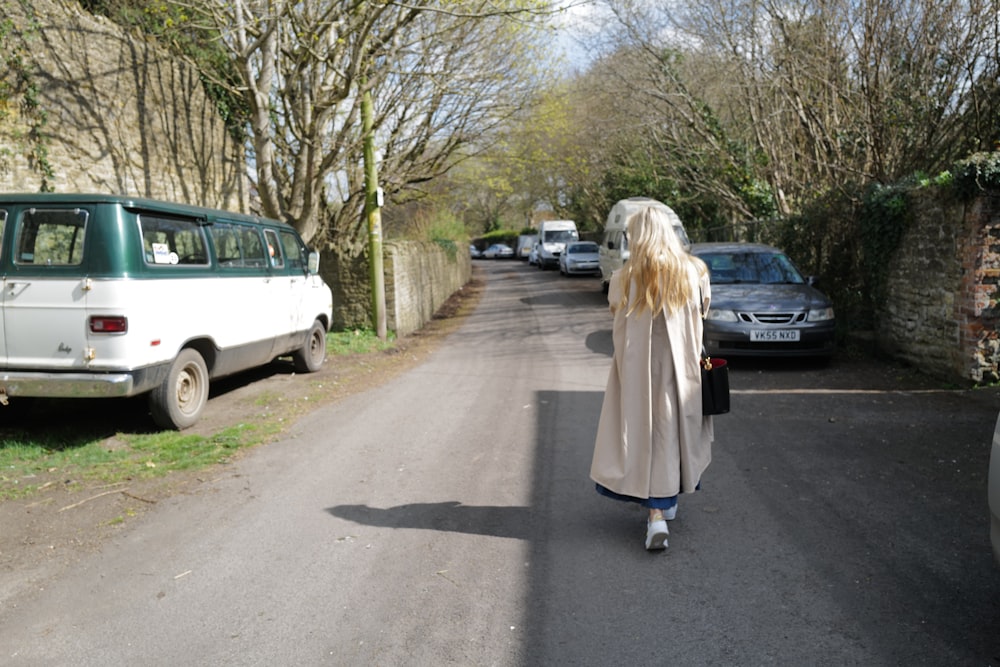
point(451, 516)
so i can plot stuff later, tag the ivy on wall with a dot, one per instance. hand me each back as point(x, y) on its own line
point(978, 173)
point(883, 220)
point(886, 214)
point(849, 239)
point(20, 98)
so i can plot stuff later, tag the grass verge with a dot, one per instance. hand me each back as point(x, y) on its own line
point(79, 448)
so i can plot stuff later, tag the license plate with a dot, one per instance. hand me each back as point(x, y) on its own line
point(774, 335)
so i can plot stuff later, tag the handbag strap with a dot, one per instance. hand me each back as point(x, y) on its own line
point(701, 307)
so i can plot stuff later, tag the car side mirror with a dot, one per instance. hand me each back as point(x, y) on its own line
point(611, 245)
point(313, 263)
point(812, 281)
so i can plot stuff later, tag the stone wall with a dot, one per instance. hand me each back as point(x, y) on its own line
point(941, 313)
point(419, 278)
point(116, 114)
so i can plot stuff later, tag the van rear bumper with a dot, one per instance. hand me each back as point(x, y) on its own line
point(66, 385)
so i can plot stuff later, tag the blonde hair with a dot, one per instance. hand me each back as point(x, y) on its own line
point(658, 264)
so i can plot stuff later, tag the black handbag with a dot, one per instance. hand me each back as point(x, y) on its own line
point(714, 386)
point(714, 379)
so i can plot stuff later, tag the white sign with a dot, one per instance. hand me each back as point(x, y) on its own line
point(774, 335)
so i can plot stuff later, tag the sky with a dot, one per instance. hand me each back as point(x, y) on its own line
point(574, 24)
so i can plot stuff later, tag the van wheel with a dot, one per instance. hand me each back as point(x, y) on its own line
point(309, 358)
point(178, 401)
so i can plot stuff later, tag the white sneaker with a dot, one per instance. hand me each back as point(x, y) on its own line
point(656, 535)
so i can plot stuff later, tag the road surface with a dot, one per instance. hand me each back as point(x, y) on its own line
point(447, 519)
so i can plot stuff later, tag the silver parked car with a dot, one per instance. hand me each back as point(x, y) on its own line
point(580, 257)
point(498, 250)
point(533, 255)
point(761, 304)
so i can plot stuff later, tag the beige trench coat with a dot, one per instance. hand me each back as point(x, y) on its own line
point(652, 440)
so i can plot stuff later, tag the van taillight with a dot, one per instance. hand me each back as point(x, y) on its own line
point(108, 324)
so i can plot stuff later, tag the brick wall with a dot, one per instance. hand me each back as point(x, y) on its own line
point(941, 313)
point(121, 116)
point(977, 312)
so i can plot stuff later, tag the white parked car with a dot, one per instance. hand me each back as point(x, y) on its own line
point(580, 257)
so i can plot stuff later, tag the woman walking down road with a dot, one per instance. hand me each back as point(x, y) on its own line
point(652, 441)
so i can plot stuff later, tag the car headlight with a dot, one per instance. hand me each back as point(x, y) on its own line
point(821, 314)
point(720, 315)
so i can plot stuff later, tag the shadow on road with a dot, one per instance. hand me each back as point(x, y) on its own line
point(451, 516)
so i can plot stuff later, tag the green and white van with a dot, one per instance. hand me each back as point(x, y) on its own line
point(111, 296)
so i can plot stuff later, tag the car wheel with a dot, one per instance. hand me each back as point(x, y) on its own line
point(309, 358)
point(178, 401)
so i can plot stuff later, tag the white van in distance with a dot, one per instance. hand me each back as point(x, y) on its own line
point(613, 251)
point(525, 242)
point(553, 235)
point(107, 296)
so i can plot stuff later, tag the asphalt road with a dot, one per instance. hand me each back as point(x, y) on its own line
point(447, 519)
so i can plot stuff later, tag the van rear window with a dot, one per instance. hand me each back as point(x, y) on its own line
point(51, 237)
point(172, 241)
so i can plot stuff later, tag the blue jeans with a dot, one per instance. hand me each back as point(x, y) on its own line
point(651, 503)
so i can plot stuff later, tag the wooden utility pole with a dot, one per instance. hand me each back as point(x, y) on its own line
point(373, 213)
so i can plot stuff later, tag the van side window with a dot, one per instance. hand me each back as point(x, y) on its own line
point(253, 247)
point(172, 241)
point(51, 237)
point(294, 251)
point(238, 246)
point(227, 245)
point(274, 249)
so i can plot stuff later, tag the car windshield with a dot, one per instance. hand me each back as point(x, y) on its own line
point(583, 248)
point(727, 268)
point(560, 236)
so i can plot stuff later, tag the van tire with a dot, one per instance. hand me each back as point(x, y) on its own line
point(309, 358)
point(178, 401)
